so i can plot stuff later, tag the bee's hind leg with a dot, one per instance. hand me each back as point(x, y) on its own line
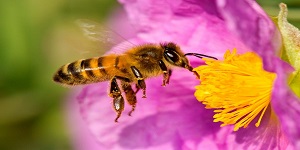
point(118, 100)
point(141, 82)
point(130, 95)
point(167, 73)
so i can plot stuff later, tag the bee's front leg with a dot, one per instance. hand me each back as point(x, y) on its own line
point(118, 100)
point(167, 73)
point(140, 80)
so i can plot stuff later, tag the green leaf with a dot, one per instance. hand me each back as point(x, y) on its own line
point(290, 51)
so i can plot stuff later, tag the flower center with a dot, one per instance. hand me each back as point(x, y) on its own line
point(237, 88)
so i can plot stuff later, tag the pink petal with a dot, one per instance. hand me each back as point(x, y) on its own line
point(267, 136)
point(286, 105)
point(81, 136)
point(194, 25)
point(166, 119)
point(253, 26)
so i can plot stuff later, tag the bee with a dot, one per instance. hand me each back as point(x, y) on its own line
point(131, 67)
point(123, 70)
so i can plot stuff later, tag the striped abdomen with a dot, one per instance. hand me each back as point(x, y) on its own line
point(83, 72)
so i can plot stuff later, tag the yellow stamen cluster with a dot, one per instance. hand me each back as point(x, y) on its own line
point(237, 88)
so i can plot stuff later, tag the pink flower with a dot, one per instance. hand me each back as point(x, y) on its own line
point(171, 117)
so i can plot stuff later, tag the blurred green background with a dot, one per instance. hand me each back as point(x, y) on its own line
point(36, 38)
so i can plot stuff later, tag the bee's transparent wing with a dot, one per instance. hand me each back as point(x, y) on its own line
point(106, 37)
point(97, 32)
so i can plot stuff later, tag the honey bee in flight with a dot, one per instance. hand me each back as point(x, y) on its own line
point(129, 68)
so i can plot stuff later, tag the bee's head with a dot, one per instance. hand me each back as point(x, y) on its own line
point(174, 55)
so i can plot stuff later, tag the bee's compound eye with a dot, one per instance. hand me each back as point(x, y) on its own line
point(171, 56)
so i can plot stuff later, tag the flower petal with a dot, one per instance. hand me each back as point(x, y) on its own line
point(267, 136)
point(194, 25)
point(82, 139)
point(253, 26)
point(171, 120)
point(286, 105)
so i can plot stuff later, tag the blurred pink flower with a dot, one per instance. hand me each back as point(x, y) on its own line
point(171, 117)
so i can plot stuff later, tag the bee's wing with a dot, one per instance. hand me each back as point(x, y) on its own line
point(105, 36)
point(99, 33)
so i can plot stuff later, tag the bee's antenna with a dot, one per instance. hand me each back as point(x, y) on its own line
point(200, 55)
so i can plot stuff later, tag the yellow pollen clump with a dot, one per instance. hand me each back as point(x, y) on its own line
point(237, 88)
